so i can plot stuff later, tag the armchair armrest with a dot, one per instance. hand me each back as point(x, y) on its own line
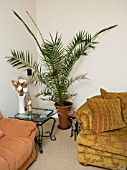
point(1, 117)
point(84, 116)
point(18, 128)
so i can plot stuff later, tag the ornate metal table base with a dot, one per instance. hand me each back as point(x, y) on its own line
point(38, 138)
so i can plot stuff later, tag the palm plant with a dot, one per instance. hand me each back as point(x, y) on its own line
point(58, 61)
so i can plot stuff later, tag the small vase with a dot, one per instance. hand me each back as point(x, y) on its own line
point(21, 104)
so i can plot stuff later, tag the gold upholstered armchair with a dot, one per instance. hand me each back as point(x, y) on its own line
point(103, 139)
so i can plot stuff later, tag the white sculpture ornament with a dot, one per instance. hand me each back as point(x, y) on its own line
point(21, 88)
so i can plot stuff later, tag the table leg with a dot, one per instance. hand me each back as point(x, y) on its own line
point(38, 138)
point(52, 137)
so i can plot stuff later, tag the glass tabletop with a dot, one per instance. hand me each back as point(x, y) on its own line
point(36, 115)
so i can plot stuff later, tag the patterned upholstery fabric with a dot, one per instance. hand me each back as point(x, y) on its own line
point(123, 99)
point(84, 115)
point(89, 156)
point(86, 118)
point(105, 149)
point(106, 114)
point(111, 141)
point(108, 150)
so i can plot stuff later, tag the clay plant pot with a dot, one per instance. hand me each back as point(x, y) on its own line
point(63, 115)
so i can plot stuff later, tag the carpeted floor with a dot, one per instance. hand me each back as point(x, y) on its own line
point(60, 154)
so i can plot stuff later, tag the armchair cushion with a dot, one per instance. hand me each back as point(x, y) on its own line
point(106, 115)
point(17, 128)
point(123, 100)
point(110, 142)
point(15, 151)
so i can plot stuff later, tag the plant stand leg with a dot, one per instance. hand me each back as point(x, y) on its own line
point(76, 130)
point(71, 125)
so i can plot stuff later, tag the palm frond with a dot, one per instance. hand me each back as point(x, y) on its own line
point(79, 77)
point(20, 59)
point(58, 61)
point(78, 38)
point(53, 51)
point(29, 30)
point(103, 30)
point(35, 25)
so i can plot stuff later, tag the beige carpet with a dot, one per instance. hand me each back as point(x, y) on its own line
point(60, 154)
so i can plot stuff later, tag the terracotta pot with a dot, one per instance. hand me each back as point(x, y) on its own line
point(63, 115)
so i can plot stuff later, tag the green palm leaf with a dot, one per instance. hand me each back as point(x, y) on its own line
point(57, 60)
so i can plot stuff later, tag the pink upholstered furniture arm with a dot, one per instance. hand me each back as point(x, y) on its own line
point(1, 116)
point(19, 128)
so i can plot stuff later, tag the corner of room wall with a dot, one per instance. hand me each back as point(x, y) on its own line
point(106, 65)
point(13, 36)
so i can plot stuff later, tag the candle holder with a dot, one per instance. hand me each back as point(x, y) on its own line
point(29, 104)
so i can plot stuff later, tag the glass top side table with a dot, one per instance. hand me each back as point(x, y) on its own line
point(39, 116)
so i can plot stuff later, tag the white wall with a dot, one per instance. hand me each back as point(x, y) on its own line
point(107, 64)
point(13, 36)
